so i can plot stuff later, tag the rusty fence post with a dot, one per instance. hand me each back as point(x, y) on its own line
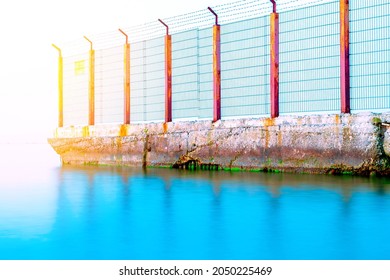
point(168, 75)
point(91, 87)
point(126, 80)
point(274, 81)
point(60, 87)
point(344, 57)
point(216, 68)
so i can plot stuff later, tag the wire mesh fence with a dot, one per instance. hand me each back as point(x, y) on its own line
point(154, 82)
point(76, 89)
point(109, 96)
point(370, 55)
point(185, 87)
point(137, 78)
point(205, 56)
point(309, 68)
point(310, 59)
point(245, 68)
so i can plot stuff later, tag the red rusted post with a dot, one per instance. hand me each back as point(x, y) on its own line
point(344, 56)
point(274, 82)
point(216, 69)
point(168, 75)
point(168, 78)
point(126, 80)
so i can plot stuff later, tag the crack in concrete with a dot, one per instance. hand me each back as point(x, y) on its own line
point(146, 150)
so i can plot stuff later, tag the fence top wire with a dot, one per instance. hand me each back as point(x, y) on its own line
point(227, 13)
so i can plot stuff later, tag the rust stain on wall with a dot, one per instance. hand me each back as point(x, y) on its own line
point(279, 138)
point(337, 119)
point(85, 131)
point(267, 136)
point(165, 127)
point(268, 122)
point(123, 130)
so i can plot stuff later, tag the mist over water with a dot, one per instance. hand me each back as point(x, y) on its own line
point(53, 212)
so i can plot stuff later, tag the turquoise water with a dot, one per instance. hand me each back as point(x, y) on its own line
point(53, 212)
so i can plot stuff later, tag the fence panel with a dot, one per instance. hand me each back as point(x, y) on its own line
point(370, 55)
point(155, 79)
point(109, 89)
point(137, 82)
point(309, 67)
point(245, 68)
point(310, 59)
point(185, 99)
point(75, 98)
point(205, 73)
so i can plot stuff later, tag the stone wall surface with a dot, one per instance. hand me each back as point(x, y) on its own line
point(353, 143)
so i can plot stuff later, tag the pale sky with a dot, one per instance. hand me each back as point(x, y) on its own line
point(28, 63)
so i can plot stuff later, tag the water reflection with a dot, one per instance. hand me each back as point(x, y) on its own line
point(129, 213)
point(169, 214)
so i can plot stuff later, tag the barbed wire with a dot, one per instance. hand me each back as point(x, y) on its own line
point(227, 13)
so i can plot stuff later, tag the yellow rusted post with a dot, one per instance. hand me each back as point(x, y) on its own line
point(60, 87)
point(91, 88)
point(126, 80)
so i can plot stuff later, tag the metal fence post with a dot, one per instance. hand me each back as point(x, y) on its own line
point(91, 88)
point(126, 118)
point(344, 56)
point(216, 68)
point(60, 87)
point(274, 82)
point(168, 75)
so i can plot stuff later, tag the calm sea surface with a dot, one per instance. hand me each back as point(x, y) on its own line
point(53, 212)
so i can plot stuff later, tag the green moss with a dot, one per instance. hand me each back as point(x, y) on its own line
point(255, 170)
point(95, 163)
point(239, 169)
point(270, 170)
point(160, 166)
point(376, 121)
point(234, 169)
point(268, 161)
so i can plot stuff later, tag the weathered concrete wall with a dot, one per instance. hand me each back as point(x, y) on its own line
point(317, 144)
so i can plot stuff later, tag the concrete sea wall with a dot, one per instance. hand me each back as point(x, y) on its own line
point(347, 143)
